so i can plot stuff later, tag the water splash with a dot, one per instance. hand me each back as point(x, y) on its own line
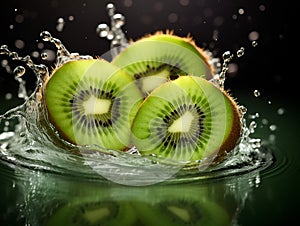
point(29, 140)
point(113, 33)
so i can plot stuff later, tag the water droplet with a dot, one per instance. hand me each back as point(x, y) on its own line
point(265, 121)
point(103, 30)
point(46, 36)
point(280, 111)
point(19, 71)
point(262, 7)
point(71, 18)
point(252, 126)
point(19, 44)
point(254, 116)
point(35, 54)
point(273, 127)
point(227, 56)
point(254, 43)
point(242, 109)
point(256, 93)
point(241, 11)
point(256, 143)
point(60, 24)
point(44, 56)
point(240, 52)
point(119, 20)
point(110, 9)
point(253, 35)
point(272, 138)
point(8, 96)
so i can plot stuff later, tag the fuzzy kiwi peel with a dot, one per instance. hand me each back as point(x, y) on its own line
point(188, 119)
point(155, 59)
point(92, 102)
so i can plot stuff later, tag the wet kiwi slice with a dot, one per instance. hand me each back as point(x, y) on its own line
point(154, 59)
point(92, 102)
point(187, 120)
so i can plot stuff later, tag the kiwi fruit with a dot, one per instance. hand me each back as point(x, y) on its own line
point(187, 120)
point(92, 102)
point(94, 211)
point(180, 205)
point(155, 59)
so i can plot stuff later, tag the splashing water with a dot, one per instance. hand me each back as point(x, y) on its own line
point(26, 141)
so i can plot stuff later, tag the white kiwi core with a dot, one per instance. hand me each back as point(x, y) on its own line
point(180, 212)
point(182, 124)
point(153, 81)
point(94, 105)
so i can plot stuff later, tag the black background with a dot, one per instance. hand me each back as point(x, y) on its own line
point(265, 67)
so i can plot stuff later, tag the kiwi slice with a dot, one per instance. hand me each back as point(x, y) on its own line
point(94, 211)
point(92, 102)
point(180, 205)
point(187, 120)
point(154, 59)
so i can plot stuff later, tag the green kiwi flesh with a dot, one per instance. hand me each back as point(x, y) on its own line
point(187, 119)
point(92, 102)
point(180, 205)
point(155, 59)
point(94, 212)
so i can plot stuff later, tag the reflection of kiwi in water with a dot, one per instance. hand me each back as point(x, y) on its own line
point(187, 119)
point(91, 212)
point(92, 102)
point(154, 59)
point(180, 205)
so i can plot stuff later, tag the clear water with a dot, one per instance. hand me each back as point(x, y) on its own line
point(26, 141)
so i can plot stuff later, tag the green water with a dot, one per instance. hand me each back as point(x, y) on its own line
point(267, 197)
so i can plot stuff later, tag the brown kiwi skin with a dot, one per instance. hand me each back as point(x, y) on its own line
point(46, 122)
point(234, 135)
point(210, 70)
